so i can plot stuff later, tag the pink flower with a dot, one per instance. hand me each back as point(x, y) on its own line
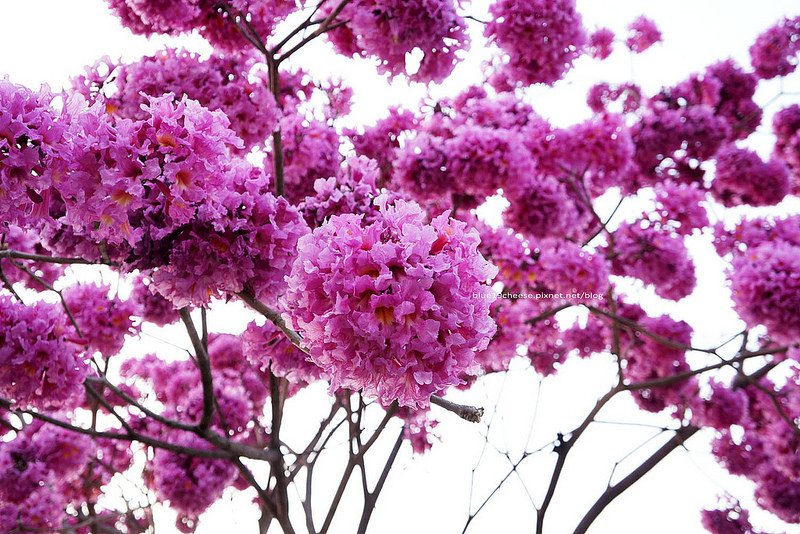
point(396, 308)
point(190, 484)
point(15, 238)
point(268, 350)
point(104, 321)
point(390, 29)
point(541, 37)
point(541, 206)
point(31, 146)
point(643, 34)
point(310, 151)
point(655, 257)
point(218, 82)
point(38, 366)
point(765, 286)
point(601, 43)
point(742, 177)
point(775, 51)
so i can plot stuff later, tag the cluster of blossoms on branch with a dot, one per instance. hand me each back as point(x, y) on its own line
point(362, 247)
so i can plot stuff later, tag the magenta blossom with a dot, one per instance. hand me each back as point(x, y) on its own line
point(397, 307)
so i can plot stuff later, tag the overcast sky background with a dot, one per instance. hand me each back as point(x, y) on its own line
point(50, 41)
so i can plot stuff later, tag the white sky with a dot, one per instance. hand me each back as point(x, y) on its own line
point(49, 41)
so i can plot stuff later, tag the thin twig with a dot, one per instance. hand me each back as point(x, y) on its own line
point(325, 26)
point(204, 365)
point(468, 413)
point(614, 491)
point(44, 258)
point(273, 317)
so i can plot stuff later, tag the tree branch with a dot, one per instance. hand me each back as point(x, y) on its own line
point(614, 491)
point(204, 365)
point(468, 413)
point(274, 317)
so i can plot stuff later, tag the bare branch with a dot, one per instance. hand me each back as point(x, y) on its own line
point(468, 413)
point(614, 491)
point(204, 364)
point(43, 258)
point(274, 317)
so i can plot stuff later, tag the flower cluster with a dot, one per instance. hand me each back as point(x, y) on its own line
point(541, 37)
point(602, 94)
point(151, 306)
point(724, 407)
point(13, 237)
point(742, 177)
point(190, 484)
point(765, 285)
point(512, 333)
point(269, 350)
point(766, 451)
point(388, 30)
point(601, 43)
point(238, 387)
point(31, 146)
point(541, 206)
point(507, 251)
point(396, 307)
point(786, 125)
point(103, 321)
point(419, 427)
point(564, 267)
point(643, 34)
point(731, 520)
point(250, 244)
point(34, 466)
point(39, 366)
point(750, 233)
point(310, 152)
point(471, 160)
point(655, 257)
point(670, 142)
point(350, 192)
point(380, 140)
point(650, 359)
point(232, 84)
point(146, 17)
point(599, 150)
point(775, 51)
point(161, 168)
point(680, 207)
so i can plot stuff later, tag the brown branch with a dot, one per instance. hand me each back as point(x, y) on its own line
point(43, 258)
point(678, 377)
point(262, 493)
point(276, 391)
point(171, 423)
point(300, 27)
point(204, 365)
point(326, 25)
point(636, 326)
point(371, 498)
point(156, 443)
point(614, 491)
point(7, 283)
point(562, 448)
point(548, 313)
point(355, 457)
point(41, 281)
point(468, 413)
point(273, 317)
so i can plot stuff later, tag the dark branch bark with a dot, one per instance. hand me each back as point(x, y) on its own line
point(614, 491)
point(204, 365)
point(468, 413)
